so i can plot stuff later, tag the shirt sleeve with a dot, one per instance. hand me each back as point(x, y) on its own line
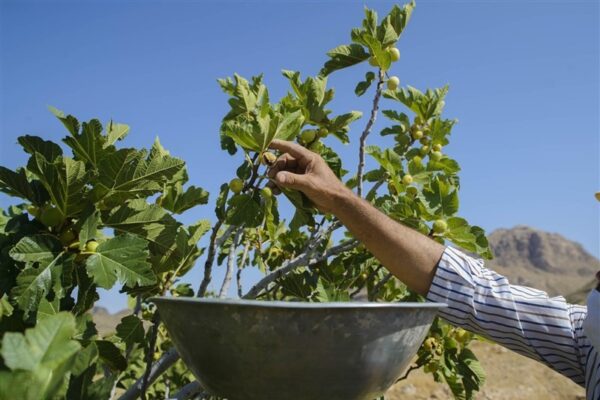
point(520, 318)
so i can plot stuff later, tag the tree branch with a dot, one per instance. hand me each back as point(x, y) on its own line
point(363, 137)
point(191, 389)
point(230, 261)
point(212, 249)
point(411, 369)
point(239, 270)
point(150, 353)
point(300, 261)
point(169, 358)
point(373, 190)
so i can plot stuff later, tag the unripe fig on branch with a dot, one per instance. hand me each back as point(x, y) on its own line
point(91, 246)
point(393, 83)
point(440, 226)
point(236, 185)
point(51, 217)
point(394, 53)
point(417, 134)
point(435, 155)
point(411, 191)
point(266, 192)
point(307, 136)
point(268, 158)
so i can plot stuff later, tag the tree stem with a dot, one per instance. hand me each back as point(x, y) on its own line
point(191, 389)
point(363, 137)
point(230, 262)
point(150, 353)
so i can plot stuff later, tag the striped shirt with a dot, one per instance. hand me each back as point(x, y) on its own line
point(525, 320)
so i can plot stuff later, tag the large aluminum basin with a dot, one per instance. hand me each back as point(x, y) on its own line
point(258, 350)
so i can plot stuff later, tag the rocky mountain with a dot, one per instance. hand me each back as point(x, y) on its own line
point(107, 322)
point(544, 260)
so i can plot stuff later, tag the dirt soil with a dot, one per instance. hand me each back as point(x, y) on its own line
point(509, 377)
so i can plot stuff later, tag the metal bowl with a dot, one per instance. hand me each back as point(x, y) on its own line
point(258, 350)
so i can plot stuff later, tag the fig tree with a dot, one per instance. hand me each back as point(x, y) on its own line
point(393, 83)
point(66, 237)
point(266, 192)
point(316, 146)
point(424, 150)
point(430, 344)
point(373, 62)
point(407, 179)
point(417, 135)
point(91, 246)
point(51, 216)
point(435, 155)
point(275, 252)
point(461, 335)
point(430, 368)
point(417, 160)
point(236, 185)
point(394, 53)
point(307, 136)
point(437, 147)
point(323, 132)
point(268, 158)
point(33, 210)
point(440, 226)
point(411, 191)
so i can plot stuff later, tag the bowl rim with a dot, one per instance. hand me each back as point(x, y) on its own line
point(296, 304)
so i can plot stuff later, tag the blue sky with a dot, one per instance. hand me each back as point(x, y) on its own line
point(523, 81)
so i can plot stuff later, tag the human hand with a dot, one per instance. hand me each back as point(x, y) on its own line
point(301, 169)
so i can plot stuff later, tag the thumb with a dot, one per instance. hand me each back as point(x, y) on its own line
point(291, 180)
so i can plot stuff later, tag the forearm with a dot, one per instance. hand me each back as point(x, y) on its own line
point(407, 254)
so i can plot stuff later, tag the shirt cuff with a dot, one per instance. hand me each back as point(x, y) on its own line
point(453, 277)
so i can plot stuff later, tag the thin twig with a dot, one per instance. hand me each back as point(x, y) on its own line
point(230, 261)
point(363, 137)
point(300, 261)
point(411, 369)
point(150, 353)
